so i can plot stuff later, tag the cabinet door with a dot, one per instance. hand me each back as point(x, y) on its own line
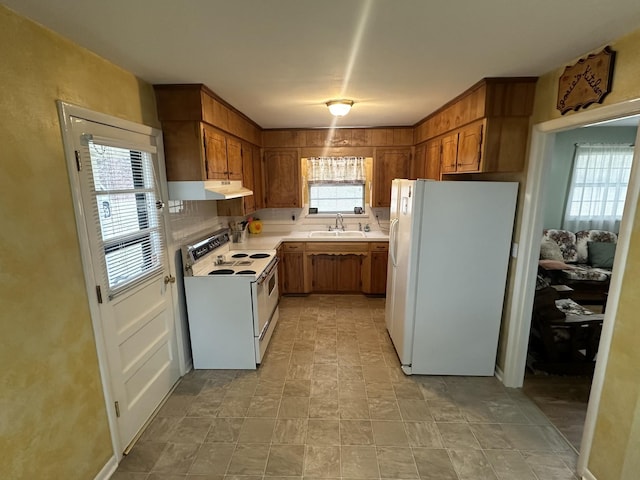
point(389, 163)
point(248, 178)
point(418, 162)
point(293, 272)
point(470, 148)
point(449, 153)
point(348, 273)
point(433, 150)
point(215, 145)
point(323, 269)
point(378, 272)
point(234, 159)
point(258, 189)
point(282, 179)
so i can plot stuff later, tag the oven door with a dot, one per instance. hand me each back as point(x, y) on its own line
point(267, 295)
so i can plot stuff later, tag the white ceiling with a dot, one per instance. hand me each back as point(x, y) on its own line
point(279, 61)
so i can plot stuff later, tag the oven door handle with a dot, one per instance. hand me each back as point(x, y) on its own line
point(269, 272)
point(266, 327)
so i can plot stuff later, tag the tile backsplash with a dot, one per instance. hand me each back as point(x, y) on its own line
point(191, 219)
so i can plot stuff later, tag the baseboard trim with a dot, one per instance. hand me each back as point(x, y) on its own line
point(108, 470)
point(587, 475)
point(499, 374)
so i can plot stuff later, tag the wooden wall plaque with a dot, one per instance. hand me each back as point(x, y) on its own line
point(587, 81)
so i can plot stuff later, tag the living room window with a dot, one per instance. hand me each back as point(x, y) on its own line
point(336, 184)
point(598, 187)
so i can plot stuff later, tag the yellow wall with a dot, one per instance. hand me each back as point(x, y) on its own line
point(615, 453)
point(53, 422)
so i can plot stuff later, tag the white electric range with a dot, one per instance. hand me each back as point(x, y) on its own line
point(232, 302)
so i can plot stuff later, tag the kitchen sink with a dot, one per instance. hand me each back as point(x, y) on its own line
point(336, 234)
point(352, 233)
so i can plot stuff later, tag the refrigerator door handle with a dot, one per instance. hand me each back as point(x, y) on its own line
point(393, 241)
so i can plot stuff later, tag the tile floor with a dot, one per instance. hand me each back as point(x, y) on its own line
point(330, 402)
point(563, 399)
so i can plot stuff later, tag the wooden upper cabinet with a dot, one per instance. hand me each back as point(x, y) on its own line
point(462, 150)
point(184, 151)
point(281, 172)
point(485, 129)
point(418, 162)
point(388, 163)
point(433, 152)
point(449, 154)
point(470, 148)
point(223, 155)
point(196, 102)
point(249, 156)
point(258, 180)
point(248, 177)
point(234, 159)
point(426, 160)
point(215, 147)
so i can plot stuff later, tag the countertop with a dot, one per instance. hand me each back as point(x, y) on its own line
point(272, 240)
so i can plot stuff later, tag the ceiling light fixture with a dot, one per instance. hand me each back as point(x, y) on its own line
point(339, 108)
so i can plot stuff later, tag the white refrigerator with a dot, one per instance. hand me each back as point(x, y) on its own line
point(449, 247)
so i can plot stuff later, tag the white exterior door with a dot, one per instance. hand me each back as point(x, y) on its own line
point(123, 215)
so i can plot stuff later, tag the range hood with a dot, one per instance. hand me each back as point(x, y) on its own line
point(207, 190)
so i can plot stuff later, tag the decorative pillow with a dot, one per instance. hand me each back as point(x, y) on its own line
point(550, 250)
point(601, 254)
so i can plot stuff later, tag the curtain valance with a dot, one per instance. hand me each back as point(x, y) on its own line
point(336, 170)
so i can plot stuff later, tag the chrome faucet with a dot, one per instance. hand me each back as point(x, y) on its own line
point(339, 220)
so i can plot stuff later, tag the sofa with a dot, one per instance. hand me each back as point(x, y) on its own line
point(582, 260)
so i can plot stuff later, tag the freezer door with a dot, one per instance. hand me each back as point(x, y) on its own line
point(391, 263)
point(400, 324)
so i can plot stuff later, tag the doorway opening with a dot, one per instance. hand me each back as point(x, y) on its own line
point(569, 298)
point(541, 153)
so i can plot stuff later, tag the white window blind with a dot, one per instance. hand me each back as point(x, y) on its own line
point(598, 187)
point(125, 196)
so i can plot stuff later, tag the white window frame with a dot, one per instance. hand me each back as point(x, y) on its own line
point(598, 187)
point(337, 185)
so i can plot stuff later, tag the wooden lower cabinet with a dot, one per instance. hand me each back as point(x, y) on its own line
point(376, 269)
point(293, 271)
point(336, 273)
point(379, 261)
point(333, 267)
point(323, 273)
point(349, 273)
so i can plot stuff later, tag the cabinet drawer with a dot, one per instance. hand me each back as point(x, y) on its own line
point(379, 246)
point(293, 246)
point(337, 248)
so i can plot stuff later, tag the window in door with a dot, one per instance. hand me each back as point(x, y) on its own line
point(126, 204)
point(598, 187)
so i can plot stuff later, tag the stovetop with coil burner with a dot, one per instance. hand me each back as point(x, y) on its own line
point(211, 255)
